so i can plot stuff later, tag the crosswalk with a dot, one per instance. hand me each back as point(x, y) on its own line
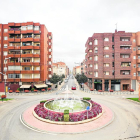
point(63, 89)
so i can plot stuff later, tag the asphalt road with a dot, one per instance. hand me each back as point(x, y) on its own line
point(126, 124)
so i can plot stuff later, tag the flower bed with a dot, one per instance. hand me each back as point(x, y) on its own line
point(45, 113)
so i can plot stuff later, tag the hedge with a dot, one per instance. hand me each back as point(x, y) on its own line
point(86, 98)
point(66, 117)
point(43, 101)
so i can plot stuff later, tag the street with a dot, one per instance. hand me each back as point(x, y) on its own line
point(126, 124)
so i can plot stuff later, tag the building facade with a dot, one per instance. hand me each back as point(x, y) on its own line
point(26, 53)
point(113, 61)
point(76, 70)
point(60, 68)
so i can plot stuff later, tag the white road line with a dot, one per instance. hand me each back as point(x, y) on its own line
point(34, 129)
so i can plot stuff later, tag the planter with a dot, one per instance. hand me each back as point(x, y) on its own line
point(10, 91)
point(17, 91)
point(111, 90)
point(26, 91)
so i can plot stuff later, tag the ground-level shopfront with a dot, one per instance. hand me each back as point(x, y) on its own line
point(109, 84)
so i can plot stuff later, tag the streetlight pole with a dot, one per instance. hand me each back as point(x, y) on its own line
point(5, 74)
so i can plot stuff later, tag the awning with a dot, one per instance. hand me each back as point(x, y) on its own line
point(40, 85)
point(25, 86)
point(50, 84)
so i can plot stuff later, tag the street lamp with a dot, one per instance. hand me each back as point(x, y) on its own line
point(5, 81)
point(5, 73)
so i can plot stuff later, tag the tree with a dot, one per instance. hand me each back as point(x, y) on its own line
point(81, 78)
point(55, 78)
point(63, 76)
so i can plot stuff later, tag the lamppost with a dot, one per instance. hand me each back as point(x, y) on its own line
point(5, 73)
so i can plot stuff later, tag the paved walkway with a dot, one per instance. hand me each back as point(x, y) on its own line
point(36, 124)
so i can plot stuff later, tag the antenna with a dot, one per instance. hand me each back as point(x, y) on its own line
point(116, 26)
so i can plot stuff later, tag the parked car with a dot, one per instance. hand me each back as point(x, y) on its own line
point(73, 87)
point(65, 80)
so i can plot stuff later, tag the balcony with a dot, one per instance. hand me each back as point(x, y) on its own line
point(14, 31)
point(14, 55)
point(26, 47)
point(125, 51)
point(27, 55)
point(89, 47)
point(90, 69)
point(27, 39)
point(89, 54)
point(11, 31)
point(37, 31)
point(13, 80)
point(17, 39)
point(36, 39)
point(125, 67)
point(12, 39)
point(125, 76)
point(13, 63)
point(26, 71)
point(36, 47)
point(138, 51)
point(126, 43)
point(26, 63)
point(36, 63)
point(138, 60)
point(36, 55)
point(138, 78)
point(138, 69)
point(125, 59)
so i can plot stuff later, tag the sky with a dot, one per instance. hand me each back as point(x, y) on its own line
point(73, 21)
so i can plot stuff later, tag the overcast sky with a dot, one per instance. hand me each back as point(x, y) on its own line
point(73, 21)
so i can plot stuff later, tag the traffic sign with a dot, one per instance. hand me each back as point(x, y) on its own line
point(87, 108)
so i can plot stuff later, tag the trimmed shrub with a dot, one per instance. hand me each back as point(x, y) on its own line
point(111, 90)
point(66, 111)
point(86, 98)
point(18, 89)
point(32, 89)
point(66, 117)
point(100, 91)
point(131, 90)
point(43, 101)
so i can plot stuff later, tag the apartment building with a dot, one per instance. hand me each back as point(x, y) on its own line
point(60, 68)
point(83, 66)
point(76, 70)
point(25, 54)
point(113, 61)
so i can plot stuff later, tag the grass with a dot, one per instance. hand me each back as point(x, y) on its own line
point(134, 99)
point(6, 99)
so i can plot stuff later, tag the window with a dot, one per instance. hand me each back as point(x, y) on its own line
point(90, 43)
point(5, 53)
point(134, 49)
point(134, 57)
point(134, 65)
point(23, 27)
point(106, 64)
point(95, 42)
point(106, 39)
point(50, 76)
point(5, 45)
point(106, 73)
point(50, 37)
point(50, 43)
point(50, 56)
point(95, 58)
point(112, 38)
point(14, 68)
point(50, 62)
point(90, 58)
point(5, 38)
point(124, 56)
point(90, 50)
point(134, 74)
point(112, 47)
point(96, 74)
point(90, 65)
point(134, 40)
point(96, 66)
point(106, 48)
point(5, 61)
point(5, 30)
point(50, 50)
point(49, 69)
point(36, 27)
point(138, 48)
point(138, 57)
point(106, 56)
point(30, 27)
point(138, 73)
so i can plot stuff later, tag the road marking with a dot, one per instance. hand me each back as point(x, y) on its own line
point(34, 129)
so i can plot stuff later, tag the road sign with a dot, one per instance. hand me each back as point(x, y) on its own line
point(87, 108)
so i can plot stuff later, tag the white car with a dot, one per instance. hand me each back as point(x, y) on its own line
point(65, 80)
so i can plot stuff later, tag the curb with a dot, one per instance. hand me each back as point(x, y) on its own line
point(132, 101)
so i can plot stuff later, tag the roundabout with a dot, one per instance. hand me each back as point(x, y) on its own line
point(40, 118)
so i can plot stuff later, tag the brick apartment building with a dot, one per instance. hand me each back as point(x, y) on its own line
point(29, 49)
point(113, 61)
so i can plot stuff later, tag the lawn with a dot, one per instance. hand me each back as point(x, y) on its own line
point(6, 99)
point(134, 99)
